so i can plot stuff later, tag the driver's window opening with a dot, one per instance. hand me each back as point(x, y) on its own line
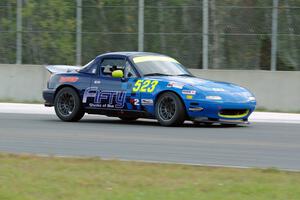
point(110, 65)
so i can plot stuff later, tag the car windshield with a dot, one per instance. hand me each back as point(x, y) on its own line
point(85, 66)
point(160, 66)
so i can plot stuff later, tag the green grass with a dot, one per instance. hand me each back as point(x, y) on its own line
point(46, 178)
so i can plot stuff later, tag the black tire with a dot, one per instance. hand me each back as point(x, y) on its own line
point(169, 110)
point(128, 118)
point(68, 105)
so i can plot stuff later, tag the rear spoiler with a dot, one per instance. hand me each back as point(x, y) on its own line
point(54, 69)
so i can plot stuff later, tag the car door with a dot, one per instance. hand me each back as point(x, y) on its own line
point(109, 92)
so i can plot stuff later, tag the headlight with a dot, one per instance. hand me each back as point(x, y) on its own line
point(213, 97)
point(251, 98)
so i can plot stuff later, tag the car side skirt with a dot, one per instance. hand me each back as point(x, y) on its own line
point(119, 113)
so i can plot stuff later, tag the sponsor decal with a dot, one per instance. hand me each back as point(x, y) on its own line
point(189, 96)
point(97, 82)
point(147, 102)
point(175, 85)
point(104, 99)
point(94, 71)
point(144, 86)
point(68, 79)
point(189, 92)
point(135, 102)
point(153, 58)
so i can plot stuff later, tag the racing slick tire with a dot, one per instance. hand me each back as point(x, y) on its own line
point(128, 118)
point(67, 105)
point(169, 110)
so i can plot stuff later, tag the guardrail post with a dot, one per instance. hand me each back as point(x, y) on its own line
point(78, 32)
point(205, 23)
point(274, 35)
point(141, 26)
point(19, 33)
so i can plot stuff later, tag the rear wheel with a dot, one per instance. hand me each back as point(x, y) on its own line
point(67, 105)
point(169, 110)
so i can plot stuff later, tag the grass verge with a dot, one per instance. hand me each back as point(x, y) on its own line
point(28, 177)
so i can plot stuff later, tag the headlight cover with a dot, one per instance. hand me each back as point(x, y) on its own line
point(251, 98)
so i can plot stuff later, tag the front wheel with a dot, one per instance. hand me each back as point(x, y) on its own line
point(67, 105)
point(169, 110)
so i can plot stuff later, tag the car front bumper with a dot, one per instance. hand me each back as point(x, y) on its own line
point(213, 111)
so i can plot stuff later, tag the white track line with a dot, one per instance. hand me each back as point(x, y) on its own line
point(267, 117)
point(272, 117)
point(20, 108)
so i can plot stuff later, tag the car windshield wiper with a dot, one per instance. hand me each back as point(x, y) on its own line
point(156, 74)
point(185, 75)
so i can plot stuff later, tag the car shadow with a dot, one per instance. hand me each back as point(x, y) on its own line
point(120, 122)
point(154, 123)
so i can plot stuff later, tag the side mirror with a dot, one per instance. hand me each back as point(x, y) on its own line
point(117, 74)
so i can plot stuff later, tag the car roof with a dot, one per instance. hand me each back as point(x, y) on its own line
point(129, 53)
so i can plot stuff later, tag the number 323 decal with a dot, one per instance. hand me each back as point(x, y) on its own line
point(144, 86)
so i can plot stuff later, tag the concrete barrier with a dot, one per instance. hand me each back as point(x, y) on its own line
point(276, 91)
point(22, 83)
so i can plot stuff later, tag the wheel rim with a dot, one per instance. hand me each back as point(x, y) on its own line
point(66, 104)
point(167, 108)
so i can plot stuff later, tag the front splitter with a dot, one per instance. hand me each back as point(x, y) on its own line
point(220, 121)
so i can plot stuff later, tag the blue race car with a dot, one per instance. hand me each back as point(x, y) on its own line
point(132, 85)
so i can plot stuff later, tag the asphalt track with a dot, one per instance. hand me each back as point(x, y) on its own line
point(255, 145)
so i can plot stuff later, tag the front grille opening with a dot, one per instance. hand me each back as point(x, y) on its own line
point(233, 112)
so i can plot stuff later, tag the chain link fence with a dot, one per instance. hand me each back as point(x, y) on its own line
point(241, 34)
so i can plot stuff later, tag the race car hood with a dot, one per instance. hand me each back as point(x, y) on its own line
point(202, 84)
point(228, 91)
point(54, 69)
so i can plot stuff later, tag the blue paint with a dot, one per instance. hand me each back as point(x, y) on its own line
point(97, 91)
